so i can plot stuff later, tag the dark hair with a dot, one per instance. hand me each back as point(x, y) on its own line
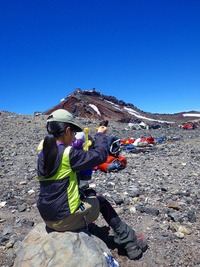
point(50, 149)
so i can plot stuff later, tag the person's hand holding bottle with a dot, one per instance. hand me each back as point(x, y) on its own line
point(101, 129)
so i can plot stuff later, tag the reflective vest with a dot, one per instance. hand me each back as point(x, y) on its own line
point(72, 196)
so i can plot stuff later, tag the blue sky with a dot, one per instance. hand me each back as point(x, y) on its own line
point(144, 52)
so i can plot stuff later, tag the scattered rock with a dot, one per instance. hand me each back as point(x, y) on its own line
point(156, 193)
point(60, 249)
point(184, 230)
point(173, 205)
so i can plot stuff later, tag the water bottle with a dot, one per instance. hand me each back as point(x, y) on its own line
point(110, 260)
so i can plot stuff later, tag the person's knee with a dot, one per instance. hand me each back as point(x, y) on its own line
point(93, 214)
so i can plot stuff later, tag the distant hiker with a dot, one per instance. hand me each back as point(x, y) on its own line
point(60, 203)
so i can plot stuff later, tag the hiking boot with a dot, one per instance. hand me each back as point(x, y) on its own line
point(134, 252)
point(134, 244)
point(135, 249)
point(124, 234)
point(141, 241)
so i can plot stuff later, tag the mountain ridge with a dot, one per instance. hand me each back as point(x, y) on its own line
point(95, 105)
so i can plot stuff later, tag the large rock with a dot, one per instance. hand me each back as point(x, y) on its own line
point(60, 249)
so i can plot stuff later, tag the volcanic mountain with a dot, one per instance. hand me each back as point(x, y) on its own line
point(94, 105)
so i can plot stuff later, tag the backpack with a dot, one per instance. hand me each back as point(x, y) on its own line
point(113, 164)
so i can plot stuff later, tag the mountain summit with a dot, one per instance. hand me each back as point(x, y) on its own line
point(92, 104)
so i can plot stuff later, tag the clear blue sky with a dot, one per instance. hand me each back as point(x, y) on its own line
point(144, 52)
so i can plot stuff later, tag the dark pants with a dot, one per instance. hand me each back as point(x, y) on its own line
point(109, 214)
point(123, 233)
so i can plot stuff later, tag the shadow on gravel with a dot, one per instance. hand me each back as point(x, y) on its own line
point(103, 234)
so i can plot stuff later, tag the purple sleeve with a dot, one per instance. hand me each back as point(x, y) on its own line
point(77, 144)
point(81, 160)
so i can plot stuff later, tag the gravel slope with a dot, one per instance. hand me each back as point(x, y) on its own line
point(158, 193)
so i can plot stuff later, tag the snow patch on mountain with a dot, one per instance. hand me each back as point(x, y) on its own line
point(95, 108)
point(136, 114)
point(191, 115)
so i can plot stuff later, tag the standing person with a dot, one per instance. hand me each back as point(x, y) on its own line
point(60, 204)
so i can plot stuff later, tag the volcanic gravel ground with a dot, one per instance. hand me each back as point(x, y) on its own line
point(158, 193)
